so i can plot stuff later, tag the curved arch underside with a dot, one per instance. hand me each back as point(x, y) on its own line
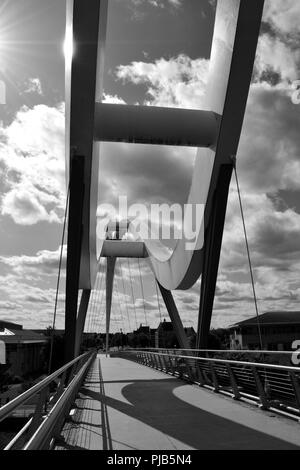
point(234, 43)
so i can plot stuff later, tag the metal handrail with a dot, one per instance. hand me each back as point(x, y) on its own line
point(7, 409)
point(43, 434)
point(271, 386)
point(51, 408)
point(228, 351)
point(224, 361)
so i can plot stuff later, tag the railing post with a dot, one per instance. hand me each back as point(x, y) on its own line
point(200, 376)
point(171, 367)
point(260, 389)
point(39, 410)
point(214, 377)
point(60, 388)
point(234, 386)
point(296, 386)
point(189, 370)
point(160, 362)
point(153, 361)
point(146, 359)
point(164, 364)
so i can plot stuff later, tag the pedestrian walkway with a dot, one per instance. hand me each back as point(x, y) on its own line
point(126, 406)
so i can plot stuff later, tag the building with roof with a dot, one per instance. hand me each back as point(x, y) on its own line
point(165, 336)
point(24, 349)
point(278, 328)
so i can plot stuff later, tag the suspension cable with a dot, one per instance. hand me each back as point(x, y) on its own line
point(100, 303)
point(92, 304)
point(120, 309)
point(58, 281)
point(91, 307)
point(143, 295)
point(125, 300)
point(96, 300)
point(101, 310)
point(158, 303)
point(132, 293)
point(248, 254)
point(98, 294)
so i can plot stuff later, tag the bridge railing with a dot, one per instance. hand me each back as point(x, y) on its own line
point(271, 386)
point(252, 355)
point(52, 399)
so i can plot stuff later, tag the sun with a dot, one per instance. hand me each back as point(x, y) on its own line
point(68, 46)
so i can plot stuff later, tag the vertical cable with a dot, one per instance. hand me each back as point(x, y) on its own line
point(158, 303)
point(248, 255)
point(58, 281)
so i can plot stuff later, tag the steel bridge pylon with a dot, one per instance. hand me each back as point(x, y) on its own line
point(215, 131)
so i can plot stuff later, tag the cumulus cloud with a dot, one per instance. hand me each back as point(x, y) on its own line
point(158, 3)
point(28, 303)
point(283, 17)
point(177, 82)
point(275, 55)
point(7, 306)
point(32, 163)
point(45, 262)
point(278, 46)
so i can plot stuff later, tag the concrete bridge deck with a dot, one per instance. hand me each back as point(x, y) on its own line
point(127, 406)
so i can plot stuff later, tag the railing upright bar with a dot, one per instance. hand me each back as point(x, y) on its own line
point(260, 389)
point(296, 386)
point(39, 410)
point(200, 376)
point(60, 388)
point(171, 365)
point(214, 377)
point(160, 361)
point(234, 386)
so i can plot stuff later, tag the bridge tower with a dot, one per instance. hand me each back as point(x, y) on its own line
point(215, 131)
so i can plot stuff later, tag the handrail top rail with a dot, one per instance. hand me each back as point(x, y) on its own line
point(19, 400)
point(224, 361)
point(251, 351)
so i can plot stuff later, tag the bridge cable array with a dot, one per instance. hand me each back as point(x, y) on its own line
point(133, 299)
point(125, 297)
point(97, 301)
point(120, 308)
point(143, 294)
point(58, 281)
point(101, 310)
point(92, 303)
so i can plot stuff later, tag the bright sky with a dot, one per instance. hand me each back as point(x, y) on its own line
point(157, 53)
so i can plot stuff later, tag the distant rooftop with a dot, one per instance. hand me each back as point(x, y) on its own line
point(272, 318)
point(9, 325)
point(14, 333)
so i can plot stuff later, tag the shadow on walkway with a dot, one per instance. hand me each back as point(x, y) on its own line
point(153, 403)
